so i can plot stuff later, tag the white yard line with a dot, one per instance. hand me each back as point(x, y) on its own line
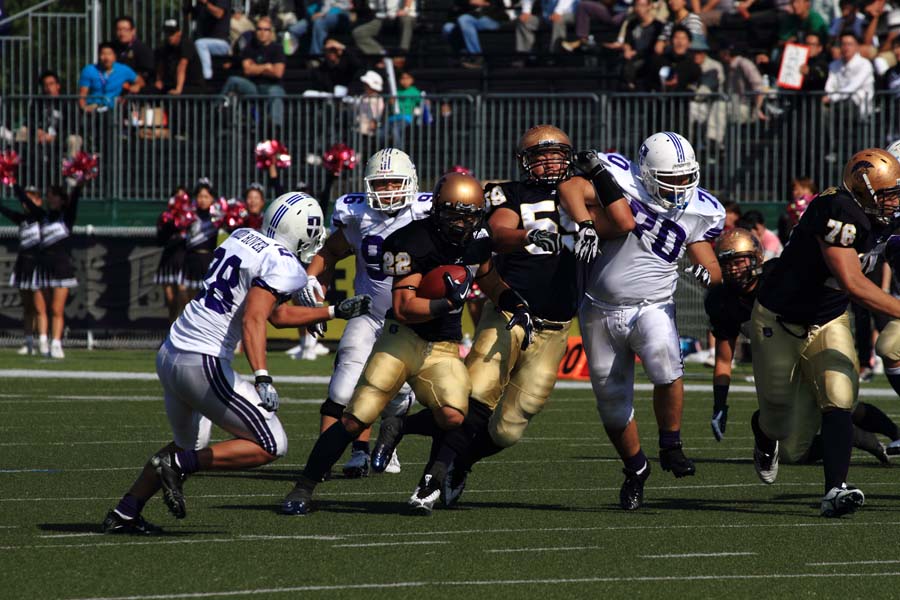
point(853, 562)
point(549, 549)
point(697, 555)
point(486, 583)
point(378, 544)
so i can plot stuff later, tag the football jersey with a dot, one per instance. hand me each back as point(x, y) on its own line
point(548, 282)
point(212, 322)
point(419, 248)
point(801, 288)
point(365, 230)
point(729, 309)
point(643, 265)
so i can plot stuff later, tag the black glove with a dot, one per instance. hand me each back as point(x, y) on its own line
point(353, 307)
point(457, 293)
point(587, 243)
point(511, 301)
point(588, 163)
point(548, 241)
point(595, 169)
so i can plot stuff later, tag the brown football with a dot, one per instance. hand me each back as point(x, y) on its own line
point(432, 285)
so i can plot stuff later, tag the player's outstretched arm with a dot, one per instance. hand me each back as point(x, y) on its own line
point(706, 266)
point(843, 262)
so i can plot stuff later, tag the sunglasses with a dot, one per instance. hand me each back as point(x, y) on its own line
point(264, 29)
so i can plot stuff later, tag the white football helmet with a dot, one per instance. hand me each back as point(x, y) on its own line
point(669, 169)
point(295, 221)
point(391, 164)
point(894, 149)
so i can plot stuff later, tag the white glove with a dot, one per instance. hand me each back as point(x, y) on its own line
point(700, 273)
point(267, 393)
point(587, 243)
point(310, 294)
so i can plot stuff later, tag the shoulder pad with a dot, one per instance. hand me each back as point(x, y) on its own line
point(348, 207)
point(421, 205)
point(705, 203)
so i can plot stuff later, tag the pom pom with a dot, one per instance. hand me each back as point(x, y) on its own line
point(339, 157)
point(9, 164)
point(272, 152)
point(797, 207)
point(236, 214)
point(83, 167)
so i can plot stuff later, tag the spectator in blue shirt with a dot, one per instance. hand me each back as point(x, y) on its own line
point(100, 84)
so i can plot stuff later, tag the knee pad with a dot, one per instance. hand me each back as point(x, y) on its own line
point(511, 418)
point(332, 409)
point(615, 415)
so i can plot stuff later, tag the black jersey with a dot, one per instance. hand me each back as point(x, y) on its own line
point(728, 307)
point(419, 248)
point(548, 282)
point(801, 288)
point(57, 225)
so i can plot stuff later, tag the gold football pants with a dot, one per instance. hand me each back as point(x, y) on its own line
point(433, 370)
point(888, 344)
point(801, 372)
point(503, 374)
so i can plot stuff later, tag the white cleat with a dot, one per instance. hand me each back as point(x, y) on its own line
point(25, 350)
point(766, 465)
point(394, 465)
point(44, 347)
point(841, 501)
point(424, 498)
point(321, 349)
point(56, 350)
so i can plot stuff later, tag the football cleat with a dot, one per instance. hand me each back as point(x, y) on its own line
point(840, 501)
point(453, 485)
point(893, 449)
point(631, 494)
point(427, 493)
point(394, 465)
point(114, 523)
point(171, 478)
point(26, 350)
point(358, 465)
point(389, 435)
point(766, 465)
point(674, 460)
point(298, 501)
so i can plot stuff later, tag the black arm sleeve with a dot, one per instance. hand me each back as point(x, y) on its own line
point(275, 185)
point(71, 211)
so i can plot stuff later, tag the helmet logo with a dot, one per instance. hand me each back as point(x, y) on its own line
point(643, 152)
point(314, 224)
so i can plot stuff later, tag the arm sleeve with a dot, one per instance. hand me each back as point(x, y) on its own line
point(71, 212)
point(281, 274)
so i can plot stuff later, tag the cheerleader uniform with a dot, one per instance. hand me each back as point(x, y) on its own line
point(202, 238)
point(56, 244)
point(25, 275)
point(171, 264)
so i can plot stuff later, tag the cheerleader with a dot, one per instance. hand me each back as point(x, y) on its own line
point(58, 272)
point(25, 275)
point(202, 237)
point(171, 229)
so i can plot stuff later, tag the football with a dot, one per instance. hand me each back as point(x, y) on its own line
point(432, 285)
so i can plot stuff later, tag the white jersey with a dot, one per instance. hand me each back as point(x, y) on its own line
point(365, 230)
point(642, 267)
point(212, 322)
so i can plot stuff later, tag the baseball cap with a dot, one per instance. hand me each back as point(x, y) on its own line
point(373, 80)
point(170, 26)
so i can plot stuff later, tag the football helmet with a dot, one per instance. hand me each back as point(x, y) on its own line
point(669, 169)
point(872, 176)
point(458, 207)
point(741, 257)
point(545, 154)
point(390, 165)
point(295, 221)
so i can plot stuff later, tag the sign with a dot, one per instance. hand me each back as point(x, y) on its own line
point(793, 57)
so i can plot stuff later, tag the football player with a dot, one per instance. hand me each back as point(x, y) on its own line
point(250, 278)
point(511, 385)
point(804, 360)
point(420, 342)
point(729, 307)
point(361, 224)
point(629, 308)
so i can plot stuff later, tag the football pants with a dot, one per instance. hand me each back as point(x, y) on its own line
point(888, 344)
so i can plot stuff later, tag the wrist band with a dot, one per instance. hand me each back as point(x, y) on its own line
point(260, 373)
point(330, 312)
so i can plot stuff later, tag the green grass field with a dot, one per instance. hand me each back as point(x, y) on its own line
point(539, 520)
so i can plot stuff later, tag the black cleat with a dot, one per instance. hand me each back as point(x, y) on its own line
point(674, 460)
point(454, 485)
point(116, 524)
point(389, 436)
point(298, 501)
point(631, 495)
point(171, 478)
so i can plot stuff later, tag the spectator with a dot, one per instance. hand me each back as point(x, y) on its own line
point(732, 214)
point(339, 69)
point(850, 78)
point(100, 84)
point(743, 79)
point(50, 119)
point(754, 221)
point(713, 12)
point(675, 70)
point(409, 98)
point(679, 15)
point(636, 40)
point(473, 16)
point(332, 15)
point(178, 69)
point(238, 25)
point(370, 109)
point(262, 65)
point(804, 20)
point(133, 52)
point(400, 12)
point(815, 71)
point(803, 190)
point(592, 10)
point(212, 30)
point(709, 109)
point(850, 20)
point(892, 77)
point(886, 53)
point(558, 13)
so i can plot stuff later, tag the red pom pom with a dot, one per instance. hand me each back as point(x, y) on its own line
point(235, 215)
point(9, 164)
point(272, 152)
point(83, 167)
point(339, 157)
point(796, 208)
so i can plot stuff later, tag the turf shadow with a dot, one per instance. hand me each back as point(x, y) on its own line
point(786, 504)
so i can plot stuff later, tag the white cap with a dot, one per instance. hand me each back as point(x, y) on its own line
point(373, 80)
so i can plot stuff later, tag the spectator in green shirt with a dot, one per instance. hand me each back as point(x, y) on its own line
point(795, 27)
point(409, 97)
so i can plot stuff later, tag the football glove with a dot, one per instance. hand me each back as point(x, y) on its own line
point(587, 243)
point(267, 393)
point(318, 329)
point(548, 241)
point(700, 273)
point(457, 293)
point(353, 307)
point(719, 421)
point(310, 294)
point(522, 317)
point(588, 162)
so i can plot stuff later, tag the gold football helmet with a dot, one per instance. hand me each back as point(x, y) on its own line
point(872, 176)
point(458, 206)
point(545, 154)
point(741, 257)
